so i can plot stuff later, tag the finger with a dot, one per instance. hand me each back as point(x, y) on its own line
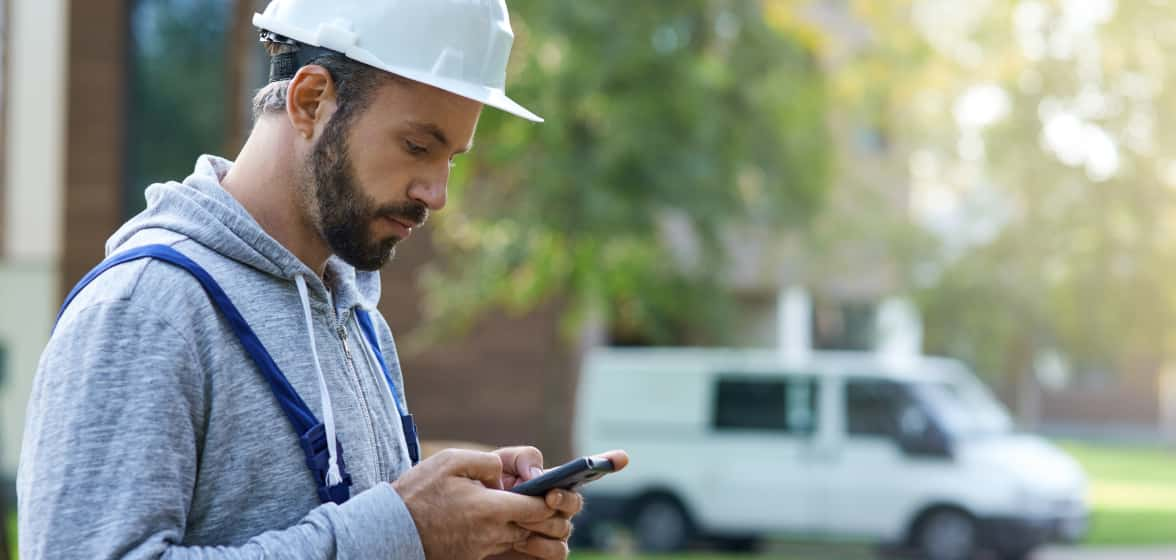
point(543, 548)
point(525, 462)
point(559, 528)
point(511, 507)
point(511, 535)
point(619, 458)
point(483, 467)
point(565, 502)
point(509, 481)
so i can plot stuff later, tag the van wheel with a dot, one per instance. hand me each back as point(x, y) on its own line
point(660, 525)
point(946, 534)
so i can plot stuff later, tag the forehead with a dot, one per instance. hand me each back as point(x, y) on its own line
point(423, 109)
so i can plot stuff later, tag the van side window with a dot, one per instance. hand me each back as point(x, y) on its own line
point(873, 408)
point(775, 405)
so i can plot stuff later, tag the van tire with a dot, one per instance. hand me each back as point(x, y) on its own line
point(946, 534)
point(660, 524)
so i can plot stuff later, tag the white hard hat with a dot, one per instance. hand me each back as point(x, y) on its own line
point(460, 46)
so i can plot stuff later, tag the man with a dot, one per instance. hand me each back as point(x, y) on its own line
point(168, 419)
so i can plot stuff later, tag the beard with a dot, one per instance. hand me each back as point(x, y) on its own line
point(342, 212)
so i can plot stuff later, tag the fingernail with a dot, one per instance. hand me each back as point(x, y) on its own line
point(558, 498)
point(536, 472)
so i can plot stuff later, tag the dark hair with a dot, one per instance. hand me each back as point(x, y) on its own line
point(355, 82)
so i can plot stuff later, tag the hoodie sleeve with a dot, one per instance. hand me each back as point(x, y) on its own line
point(111, 448)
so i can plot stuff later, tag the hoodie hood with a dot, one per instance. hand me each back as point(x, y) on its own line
point(201, 209)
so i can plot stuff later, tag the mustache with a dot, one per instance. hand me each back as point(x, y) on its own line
point(412, 212)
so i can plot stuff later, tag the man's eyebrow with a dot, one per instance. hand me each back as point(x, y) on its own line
point(438, 134)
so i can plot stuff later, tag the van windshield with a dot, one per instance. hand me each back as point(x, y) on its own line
point(965, 409)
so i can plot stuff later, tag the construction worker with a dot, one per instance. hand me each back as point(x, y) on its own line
point(222, 386)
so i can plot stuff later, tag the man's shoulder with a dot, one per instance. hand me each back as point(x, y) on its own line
point(163, 289)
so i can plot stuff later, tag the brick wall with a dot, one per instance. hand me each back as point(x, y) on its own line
point(96, 129)
point(1131, 400)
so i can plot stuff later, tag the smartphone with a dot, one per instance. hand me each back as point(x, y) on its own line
point(568, 476)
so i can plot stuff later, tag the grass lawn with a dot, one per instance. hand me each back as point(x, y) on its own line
point(11, 528)
point(1132, 493)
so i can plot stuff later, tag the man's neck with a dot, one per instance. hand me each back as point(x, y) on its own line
point(264, 179)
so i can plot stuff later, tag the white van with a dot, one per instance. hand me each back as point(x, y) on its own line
point(729, 444)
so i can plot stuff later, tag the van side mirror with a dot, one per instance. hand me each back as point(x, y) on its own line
point(920, 436)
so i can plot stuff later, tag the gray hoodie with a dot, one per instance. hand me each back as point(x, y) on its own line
point(150, 432)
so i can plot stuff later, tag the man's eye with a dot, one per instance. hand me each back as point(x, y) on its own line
point(414, 148)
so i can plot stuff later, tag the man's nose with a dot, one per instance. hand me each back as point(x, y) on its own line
point(431, 191)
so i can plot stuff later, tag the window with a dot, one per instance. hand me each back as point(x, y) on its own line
point(193, 66)
point(876, 408)
point(843, 326)
point(772, 405)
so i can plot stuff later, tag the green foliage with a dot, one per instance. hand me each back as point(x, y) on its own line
point(1077, 259)
point(695, 109)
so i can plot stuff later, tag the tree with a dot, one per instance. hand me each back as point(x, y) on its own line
point(1039, 157)
point(692, 111)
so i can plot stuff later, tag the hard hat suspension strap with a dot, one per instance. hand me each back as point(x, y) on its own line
point(284, 66)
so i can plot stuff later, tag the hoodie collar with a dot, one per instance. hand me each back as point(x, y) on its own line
point(202, 210)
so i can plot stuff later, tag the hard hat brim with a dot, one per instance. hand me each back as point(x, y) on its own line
point(492, 97)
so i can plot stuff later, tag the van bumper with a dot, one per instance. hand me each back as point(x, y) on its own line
point(1012, 533)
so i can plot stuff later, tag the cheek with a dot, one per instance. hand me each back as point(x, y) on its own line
point(385, 180)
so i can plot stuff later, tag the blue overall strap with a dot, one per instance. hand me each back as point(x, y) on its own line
point(311, 434)
point(406, 421)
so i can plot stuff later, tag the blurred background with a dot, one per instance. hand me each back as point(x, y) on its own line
point(984, 180)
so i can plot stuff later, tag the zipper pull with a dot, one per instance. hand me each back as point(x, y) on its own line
point(342, 331)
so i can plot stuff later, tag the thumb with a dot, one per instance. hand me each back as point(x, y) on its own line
point(525, 462)
point(475, 465)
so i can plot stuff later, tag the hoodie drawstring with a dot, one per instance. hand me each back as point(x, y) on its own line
point(333, 476)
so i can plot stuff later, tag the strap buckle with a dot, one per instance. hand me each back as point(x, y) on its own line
point(314, 444)
point(411, 438)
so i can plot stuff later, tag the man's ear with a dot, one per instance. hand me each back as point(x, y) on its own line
point(310, 100)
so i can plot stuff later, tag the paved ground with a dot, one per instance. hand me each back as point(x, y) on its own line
point(1108, 554)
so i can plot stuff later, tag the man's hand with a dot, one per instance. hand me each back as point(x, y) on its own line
point(519, 464)
point(549, 538)
point(461, 512)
